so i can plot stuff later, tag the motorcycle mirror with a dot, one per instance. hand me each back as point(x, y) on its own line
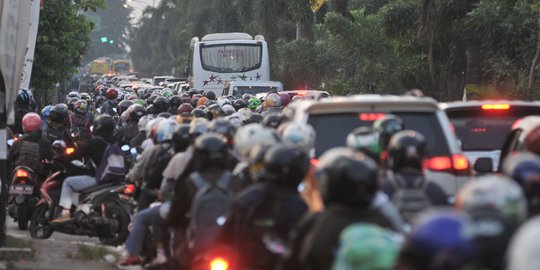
point(133, 150)
point(125, 147)
point(10, 142)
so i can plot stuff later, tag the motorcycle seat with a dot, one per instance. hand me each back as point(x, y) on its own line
point(98, 187)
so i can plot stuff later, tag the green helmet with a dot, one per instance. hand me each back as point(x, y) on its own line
point(367, 247)
point(386, 127)
point(253, 103)
point(140, 102)
point(365, 140)
point(167, 94)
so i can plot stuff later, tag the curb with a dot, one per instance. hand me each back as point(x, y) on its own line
point(15, 254)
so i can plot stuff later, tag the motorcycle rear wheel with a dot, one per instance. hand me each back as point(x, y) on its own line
point(121, 234)
point(22, 215)
point(39, 223)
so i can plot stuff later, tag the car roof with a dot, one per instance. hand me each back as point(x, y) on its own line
point(478, 103)
point(367, 103)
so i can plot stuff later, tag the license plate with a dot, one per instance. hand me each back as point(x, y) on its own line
point(21, 189)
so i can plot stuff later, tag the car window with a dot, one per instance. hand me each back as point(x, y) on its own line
point(473, 126)
point(332, 129)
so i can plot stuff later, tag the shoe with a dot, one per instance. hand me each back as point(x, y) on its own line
point(131, 263)
point(65, 216)
point(159, 260)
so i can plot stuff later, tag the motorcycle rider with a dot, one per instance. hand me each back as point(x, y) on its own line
point(24, 103)
point(126, 133)
point(80, 124)
point(109, 106)
point(93, 150)
point(57, 128)
point(30, 150)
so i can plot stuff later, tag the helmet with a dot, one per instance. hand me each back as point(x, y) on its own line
point(494, 192)
point(247, 97)
point(86, 97)
point(202, 101)
point(223, 127)
point(524, 168)
point(299, 134)
point(253, 134)
point(285, 99)
point(59, 112)
point(272, 100)
point(367, 246)
point(198, 113)
point(192, 92)
point(165, 130)
point(210, 95)
point(186, 99)
point(23, 97)
point(223, 101)
point(45, 112)
point(175, 101)
point(386, 127)
point(365, 140)
point(210, 151)
point(239, 104)
point(254, 103)
point(151, 99)
point(407, 148)
point(73, 94)
point(151, 128)
point(143, 122)
point(185, 109)
point(31, 122)
point(111, 93)
point(198, 127)
point(168, 94)
point(181, 138)
point(532, 141)
point(123, 106)
point(235, 120)
point(254, 118)
point(104, 125)
point(136, 111)
point(347, 178)
point(140, 102)
point(524, 251)
point(161, 104)
point(164, 114)
point(286, 165)
point(213, 112)
point(71, 103)
point(228, 110)
point(272, 120)
point(244, 114)
point(81, 106)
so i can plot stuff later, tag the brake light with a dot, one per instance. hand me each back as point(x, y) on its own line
point(21, 173)
point(478, 130)
point(370, 116)
point(495, 107)
point(460, 162)
point(129, 189)
point(457, 163)
point(219, 264)
point(302, 93)
point(438, 163)
point(70, 150)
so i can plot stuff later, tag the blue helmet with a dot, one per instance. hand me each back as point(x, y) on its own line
point(441, 240)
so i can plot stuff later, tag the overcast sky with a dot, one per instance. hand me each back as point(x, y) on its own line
point(139, 5)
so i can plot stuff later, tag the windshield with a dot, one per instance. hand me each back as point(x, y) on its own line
point(231, 58)
point(481, 130)
point(121, 67)
point(332, 130)
point(240, 90)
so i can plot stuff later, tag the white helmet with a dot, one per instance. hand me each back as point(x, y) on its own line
point(496, 192)
point(224, 101)
point(253, 134)
point(524, 251)
point(235, 120)
point(244, 113)
point(143, 122)
point(151, 124)
point(272, 100)
point(165, 130)
point(228, 109)
point(299, 134)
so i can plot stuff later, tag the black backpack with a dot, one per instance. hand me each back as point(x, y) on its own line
point(410, 199)
point(29, 156)
point(153, 175)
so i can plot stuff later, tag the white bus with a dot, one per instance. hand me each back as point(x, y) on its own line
point(220, 58)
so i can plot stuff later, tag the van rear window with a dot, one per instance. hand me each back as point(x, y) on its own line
point(332, 129)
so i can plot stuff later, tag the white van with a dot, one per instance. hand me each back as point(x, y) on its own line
point(238, 88)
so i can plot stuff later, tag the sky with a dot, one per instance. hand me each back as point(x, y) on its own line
point(139, 5)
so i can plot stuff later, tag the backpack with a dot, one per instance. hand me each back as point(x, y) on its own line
point(154, 171)
point(111, 168)
point(209, 210)
point(408, 199)
point(29, 156)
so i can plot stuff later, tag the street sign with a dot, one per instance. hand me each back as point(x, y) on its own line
point(316, 4)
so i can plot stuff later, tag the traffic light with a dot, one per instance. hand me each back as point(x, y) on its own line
point(111, 41)
point(103, 39)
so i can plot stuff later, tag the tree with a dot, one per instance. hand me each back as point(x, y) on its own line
point(63, 36)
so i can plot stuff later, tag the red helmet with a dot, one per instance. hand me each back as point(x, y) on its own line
point(111, 93)
point(31, 122)
point(285, 99)
point(532, 141)
point(185, 108)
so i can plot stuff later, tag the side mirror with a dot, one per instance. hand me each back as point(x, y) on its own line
point(483, 165)
point(186, 70)
point(10, 142)
point(125, 147)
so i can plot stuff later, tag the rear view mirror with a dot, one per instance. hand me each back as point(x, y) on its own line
point(483, 165)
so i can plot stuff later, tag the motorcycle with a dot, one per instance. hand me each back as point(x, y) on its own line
point(24, 194)
point(103, 211)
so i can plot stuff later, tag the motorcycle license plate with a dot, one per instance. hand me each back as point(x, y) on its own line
point(21, 189)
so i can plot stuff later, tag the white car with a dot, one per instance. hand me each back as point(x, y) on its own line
point(238, 88)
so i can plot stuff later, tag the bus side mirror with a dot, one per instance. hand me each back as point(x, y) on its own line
point(186, 70)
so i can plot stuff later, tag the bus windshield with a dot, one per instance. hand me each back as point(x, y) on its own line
point(121, 67)
point(231, 58)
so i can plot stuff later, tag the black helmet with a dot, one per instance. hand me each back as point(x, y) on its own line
point(104, 125)
point(136, 111)
point(386, 127)
point(273, 120)
point(407, 149)
point(524, 168)
point(253, 118)
point(123, 106)
point(151, 109)
point(175, 101)
point(192, 92)
point(181, 138)
point(58, 113)
point(150, 100)
point(239, 104)
point(223, 127)
point(210, 95)
point(213, 112)
point(164, 114)
point(286, 165)
point(197, 129)
point(161, 104)
point(198, 113)
point(347, 178)
point(210, 151)
point(71, 103)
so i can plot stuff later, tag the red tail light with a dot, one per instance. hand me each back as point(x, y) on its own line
point(457, 164)
point(21, 182)
point(219, 264)
point(21, 173)
point(495, 107)
point(70, 150)
point(370, 116)
point(129, 189)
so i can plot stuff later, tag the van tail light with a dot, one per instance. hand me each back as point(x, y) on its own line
point(456, 164)
point(219, 264)
point(495, 107)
